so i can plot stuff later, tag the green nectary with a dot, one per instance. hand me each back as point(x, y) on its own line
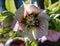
point(30, 22)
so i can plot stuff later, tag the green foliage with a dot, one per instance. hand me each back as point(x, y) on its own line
point(54, 8)
point(10, 5)
point(9, 32)
point(2, 17)
point(28, 43)
point(34, 43)
point(53, 5)
point(28, 1)
point(55, 24)
point(47, 3)
point(13, 34)
point(8, 16)
point(3, 31)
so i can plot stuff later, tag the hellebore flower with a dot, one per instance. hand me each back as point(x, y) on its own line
point(31, 22)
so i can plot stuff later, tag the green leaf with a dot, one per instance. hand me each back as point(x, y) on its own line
point(56, 9)
point(10, 5)
point(9, 19)
point(28, 1)
point(7, 13)
point(27, 43)
point(2, 17)
point(7, 16)
point(54, 16)
point(12, 33)
point(10, 16)
point(1, 30)
point(34, 43)
point(6, 30)
point(47, 3)
point(52, 24)
point(57, 24)
point(53, 5)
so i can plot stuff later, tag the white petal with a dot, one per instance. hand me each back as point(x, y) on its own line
point(26, 39)
point(35, 4)
point(8, 42)
point(16, 26)
point(44, 38)
point(1, 44)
